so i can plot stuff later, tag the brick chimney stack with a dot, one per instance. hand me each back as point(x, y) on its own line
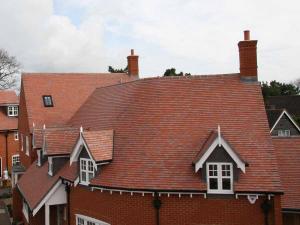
point(248, 58)
point(133, 64)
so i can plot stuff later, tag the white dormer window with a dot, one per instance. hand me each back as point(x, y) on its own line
point(12, 111)
point(284, 133)
point(86, 171)
point(219, 178)
point(50, 166)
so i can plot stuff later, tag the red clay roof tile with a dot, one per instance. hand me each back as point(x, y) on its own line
point(100, 144)
point(288, 158)
point(8, 97)
point(68, 91)
point(160, 122)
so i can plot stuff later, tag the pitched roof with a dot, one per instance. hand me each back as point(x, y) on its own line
point(8, 122)
point(273, 115)
point(288, 158)
point(37, 179)
point(60, 140)
point(160, 122)
point(100, 144)
point(289, 102)
point(8, 97)
point(68, 91)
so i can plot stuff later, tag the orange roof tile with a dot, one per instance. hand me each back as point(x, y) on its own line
point(8, 97)
point(288, 158)
point(159, 123)
point(100, 144)
point(68, 91)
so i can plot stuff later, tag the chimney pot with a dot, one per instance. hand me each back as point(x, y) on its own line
point(132, 51)
point(247, 35)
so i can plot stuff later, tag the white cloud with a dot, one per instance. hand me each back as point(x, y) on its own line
point(193, 36)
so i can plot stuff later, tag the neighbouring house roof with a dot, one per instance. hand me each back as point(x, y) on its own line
point(8, 97)
point(289, 102)
point(68, 91)
point(288, 158)
point(159, 124)
point(69, 172)
point(273, 115)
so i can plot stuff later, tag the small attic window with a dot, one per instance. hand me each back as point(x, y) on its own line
point(47, 99)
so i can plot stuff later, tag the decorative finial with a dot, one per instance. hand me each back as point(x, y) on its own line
point(44, 127)
point(81, 129)
point(219, 135)
point(33, 125)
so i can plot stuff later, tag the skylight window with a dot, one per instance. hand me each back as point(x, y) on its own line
point(48, 102)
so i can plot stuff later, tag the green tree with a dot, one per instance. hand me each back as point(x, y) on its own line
point(9, 68)
point(172, 72)
point(113, 70)
point(275, 88)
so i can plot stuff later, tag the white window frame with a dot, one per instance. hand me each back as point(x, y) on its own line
point(25, 210)
point(50, 166)
point(27, 145)
point(86, 171)
point(16, 135)
point(219, 177)
point(86, 219)
point(12, 110)
point(13, 157)
point(284, 133)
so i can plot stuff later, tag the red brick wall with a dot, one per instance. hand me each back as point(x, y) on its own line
point(13, 146)
point(124, 209)
point(17, 205)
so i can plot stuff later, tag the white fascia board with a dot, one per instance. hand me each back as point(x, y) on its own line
point(233, 155)
point(77, 149)
point(47, 197)
point(290, 118)
point(90, 219)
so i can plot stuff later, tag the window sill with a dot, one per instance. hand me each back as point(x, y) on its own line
point(220, 192)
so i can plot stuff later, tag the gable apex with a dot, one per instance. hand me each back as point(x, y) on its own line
point(285, 113)
point(216, 139)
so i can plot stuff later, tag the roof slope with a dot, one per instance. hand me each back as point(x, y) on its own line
point(35, 184)
point(288, 155)
point(159, 124)
point(8, 97)
point(273, 115)
point(288, 102)
point(68, 91)
point(100, 144)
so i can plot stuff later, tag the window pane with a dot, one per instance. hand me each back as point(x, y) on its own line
point(80, 221)
point(83, 176)
point(213, 183)
point(226, 184)
point(83, 164)
point(90, 166)
point(90, 223)
point(90, 176)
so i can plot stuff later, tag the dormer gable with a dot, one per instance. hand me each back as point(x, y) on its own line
point(92, 149)
point(282, 124)
point(212, 143)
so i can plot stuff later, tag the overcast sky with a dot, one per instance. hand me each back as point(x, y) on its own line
point(199, 37)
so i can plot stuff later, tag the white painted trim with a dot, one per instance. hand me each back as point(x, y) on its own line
point(235, 157)
point(25, 210)
point(219, 178)
point(50, 166)
point(47, 197)
point(77, 149)
point(89, 219)
point(290, 118)
point(27, 145)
